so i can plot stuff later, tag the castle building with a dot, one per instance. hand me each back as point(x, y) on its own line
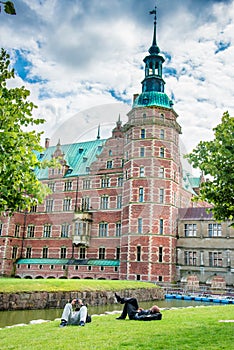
point(120, 208)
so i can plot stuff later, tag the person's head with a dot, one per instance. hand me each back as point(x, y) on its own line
point(154, 309)
point(76, 301)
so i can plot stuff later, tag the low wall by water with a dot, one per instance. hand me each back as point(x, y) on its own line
point(48, 300)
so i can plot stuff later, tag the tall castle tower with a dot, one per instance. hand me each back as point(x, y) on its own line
point(151, 193)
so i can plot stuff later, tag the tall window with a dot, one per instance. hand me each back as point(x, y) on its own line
point(142, 133)
point(45, 252)
point(103, 229)
point(30, 231)
point(63, 252)
point(14, 252)
point(161, 224)
point(68, 186)
point(28, 252)
point(190, 230)
point(105, 182)
point(17, 230)
point(215, 259)
point(161, 172)
point(109, 164)
point(65, 230)
point(101, 253)
point(81, 228)
point(104, 202)
point(190, 258)
point(66, 204)
point(139, 224)
point(49, 205)
point(138, 253)
point(117, 253)
point(142, 171)
point(162, 152)
point(85, 205)
point(161, 195)
point(86, 184)
point(119, 202)
point(33, 209)
point(142, 152)
point(51, 186)
point(215, 230)
point(141, 194)
point(160, 254)
point(120, 181)
point(118, 229)
point(82, 253)
point(47, 231)
point(162, 134)
point(1, 226)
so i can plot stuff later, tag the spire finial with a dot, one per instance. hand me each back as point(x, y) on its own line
point(98, 135)
point(154, 48)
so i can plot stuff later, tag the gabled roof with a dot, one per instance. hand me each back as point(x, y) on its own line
point(78, 157)
point(189, 182)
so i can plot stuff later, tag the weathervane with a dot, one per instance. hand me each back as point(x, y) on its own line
point(154, 44)
point(154, 12)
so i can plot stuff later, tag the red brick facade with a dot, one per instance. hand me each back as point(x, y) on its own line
point(126, 209)
point(113, 208)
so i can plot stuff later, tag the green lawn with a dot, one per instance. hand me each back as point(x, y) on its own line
point(188, 328)
point(15, 285)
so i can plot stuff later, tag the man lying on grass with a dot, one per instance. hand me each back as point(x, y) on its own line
point(133, 311)
point(75, 318)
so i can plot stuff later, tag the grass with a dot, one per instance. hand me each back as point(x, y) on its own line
point(182, 329)
point(15, 285)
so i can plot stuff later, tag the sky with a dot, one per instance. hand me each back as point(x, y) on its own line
point(82, 61)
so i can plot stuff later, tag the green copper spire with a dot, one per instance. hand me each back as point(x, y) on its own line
point(154, 49)
point(153, 66)
point(153, 83)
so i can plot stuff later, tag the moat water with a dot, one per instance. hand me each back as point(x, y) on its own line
point(9, 318)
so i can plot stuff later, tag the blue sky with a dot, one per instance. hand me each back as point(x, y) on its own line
point(82, 60)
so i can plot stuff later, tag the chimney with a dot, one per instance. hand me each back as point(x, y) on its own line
point(135, 96)
point(47, 143)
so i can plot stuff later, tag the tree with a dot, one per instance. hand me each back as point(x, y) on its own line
point(8, 7)
point(216, 158)
point(19, 187)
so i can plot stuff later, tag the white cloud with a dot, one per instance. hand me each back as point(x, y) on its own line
point(89, 53)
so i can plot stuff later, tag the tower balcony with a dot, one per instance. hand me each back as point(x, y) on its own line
point(81, 228)
point(82, 240)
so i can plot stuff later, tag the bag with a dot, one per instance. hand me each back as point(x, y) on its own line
point(88, 319)
point(151, 317)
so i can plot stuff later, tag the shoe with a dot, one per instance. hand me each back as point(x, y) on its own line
point(63, 324)
point(81, 323)
point(118, 298)
point(120, 318)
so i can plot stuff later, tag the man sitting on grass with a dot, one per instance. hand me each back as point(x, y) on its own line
point(77, 317)
point(133, 311)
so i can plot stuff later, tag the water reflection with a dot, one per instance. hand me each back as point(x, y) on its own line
point(8, 318)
